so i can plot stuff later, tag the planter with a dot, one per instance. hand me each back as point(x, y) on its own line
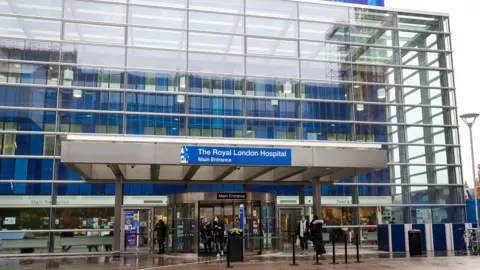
point(235, 248)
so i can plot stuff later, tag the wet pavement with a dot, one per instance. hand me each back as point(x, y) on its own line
point(277, 261)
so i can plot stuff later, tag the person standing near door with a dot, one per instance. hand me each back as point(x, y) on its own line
point(206, 236)
point(302, 233)
point(161, 230)
point(219, 236)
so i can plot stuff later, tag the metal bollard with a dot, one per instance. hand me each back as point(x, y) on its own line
point(358, 242)
point(293, 251)
point(228, 253)
point(332, 238)
point(346, 252)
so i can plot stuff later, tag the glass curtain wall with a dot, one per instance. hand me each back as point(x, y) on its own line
point(252, 69)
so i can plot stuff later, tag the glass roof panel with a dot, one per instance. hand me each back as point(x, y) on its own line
point(28, 28)
point(271, 27)
point(157, 17)
point(45, 8)
point(272, 67)
point(230, 6)
point(324, 13)
point(99, 12)
point(216, 22)
point(272, 8)
point(216, 43)
point(95, 33)
point(156, 59)
point(272, 47)
point(161, 3)
point(156, 38)
point(201, 62)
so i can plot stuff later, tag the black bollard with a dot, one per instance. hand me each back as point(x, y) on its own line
point(293, 251)
point(228, 252)
point(358, 242)
point(346, 253)
point(332, 238)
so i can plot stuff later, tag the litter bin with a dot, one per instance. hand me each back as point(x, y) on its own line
point(415, 242)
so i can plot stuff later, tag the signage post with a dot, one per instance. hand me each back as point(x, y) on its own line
point(242, 225)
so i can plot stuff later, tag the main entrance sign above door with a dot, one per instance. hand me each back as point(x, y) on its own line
point(213, 155)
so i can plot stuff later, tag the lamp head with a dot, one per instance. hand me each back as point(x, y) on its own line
point(469, 118)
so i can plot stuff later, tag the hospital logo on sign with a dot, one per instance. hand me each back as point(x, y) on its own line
point(184, 155)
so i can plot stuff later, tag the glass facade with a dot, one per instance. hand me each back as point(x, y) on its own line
point(264, 69)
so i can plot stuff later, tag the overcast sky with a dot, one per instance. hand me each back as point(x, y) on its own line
point(466, 56)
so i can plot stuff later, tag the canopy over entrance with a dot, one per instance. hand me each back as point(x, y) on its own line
point(184, 160)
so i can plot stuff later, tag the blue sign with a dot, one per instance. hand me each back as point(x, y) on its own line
point(235, 155)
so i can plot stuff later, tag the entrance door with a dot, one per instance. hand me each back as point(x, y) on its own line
point(288, 224)
point(184, 228)
point(253, 228)
point(137, 230)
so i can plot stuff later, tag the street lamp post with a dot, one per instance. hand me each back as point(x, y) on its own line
point(469, 119)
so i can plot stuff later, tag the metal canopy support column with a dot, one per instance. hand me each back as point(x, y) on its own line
point(402, 129)
point(317, 201)
point(117, 226)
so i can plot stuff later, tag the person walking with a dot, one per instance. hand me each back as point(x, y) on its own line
point(302, 232)
point(219, 236)
point(316, 227)
point(161, 230)
point(206, 236)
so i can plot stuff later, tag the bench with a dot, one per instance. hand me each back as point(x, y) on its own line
point(86, 241)
point(25, 243)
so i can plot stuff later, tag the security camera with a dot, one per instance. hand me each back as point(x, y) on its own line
point(132, 166)
point(327, 170)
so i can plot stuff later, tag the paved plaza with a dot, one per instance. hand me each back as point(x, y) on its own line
point(145, 262)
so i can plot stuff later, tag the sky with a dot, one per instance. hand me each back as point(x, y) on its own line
point(463, 15)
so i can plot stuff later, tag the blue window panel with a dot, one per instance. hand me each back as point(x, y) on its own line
point(143, 102)
point(19, 188)
point(147, 189)
point(21, 169)
point(42, 56)
point(137, 123)
point(28, 120)
point(85, 189)
point(109, 189)
point(336, 191)
point(199, 188)
point(278, 190)
point(28, 97)
point(380, 176)
point(6, 168)
point(6, 189)
point(324, 91)
point(159, 189)
point(38, 189)
point(66, 174)
point(92, 100)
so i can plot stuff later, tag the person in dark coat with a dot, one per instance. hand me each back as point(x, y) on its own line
point(317, 237)
point(219, 235)
point(66, 235)
point(302, 233)
point(109, 247)
point(206, 236)
point(161, 230)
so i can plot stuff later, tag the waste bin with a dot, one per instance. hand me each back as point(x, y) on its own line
point(415, 242)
